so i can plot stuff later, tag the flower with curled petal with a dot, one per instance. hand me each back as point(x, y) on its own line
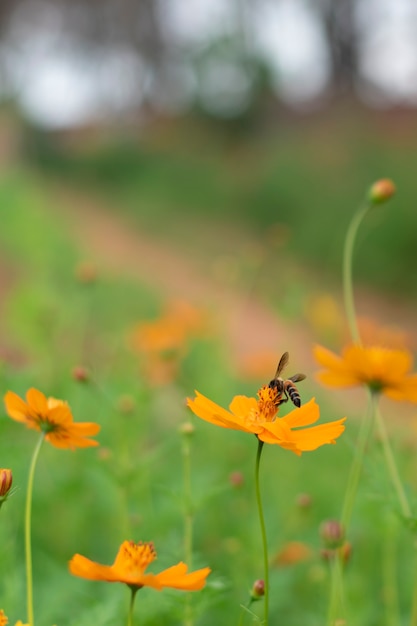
point(259, 417)
point(52, 417)
point(383, 370)
point(130, 567)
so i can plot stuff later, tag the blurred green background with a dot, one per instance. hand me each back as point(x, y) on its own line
point(213, 154)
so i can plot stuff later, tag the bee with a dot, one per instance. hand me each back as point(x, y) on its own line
point(285, 388)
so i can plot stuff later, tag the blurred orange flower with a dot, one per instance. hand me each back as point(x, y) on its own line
point(3, 618)
point(51, 416)
point(381, 369)
point(164, 342)
point(291, 553)
point(258, 416)
point(129, 568)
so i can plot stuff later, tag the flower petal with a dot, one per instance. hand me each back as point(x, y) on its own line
point(177, 577)
point(85, 568)
point(211, 412)
point(312, 438)
point(37, 401)
point(305, 415)
point(16, 407)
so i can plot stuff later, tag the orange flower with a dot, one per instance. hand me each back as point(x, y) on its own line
point(258, 417)
point(51, 416)
point(129, 568)
point(3, 619)
point(381, 369)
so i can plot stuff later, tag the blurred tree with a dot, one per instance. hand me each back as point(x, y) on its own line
point(341, 29)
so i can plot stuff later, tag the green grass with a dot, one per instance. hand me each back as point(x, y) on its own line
point(131, 487)
point(303, 175)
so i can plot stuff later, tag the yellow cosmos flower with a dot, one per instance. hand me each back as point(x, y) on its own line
point(381, 369)
point(258, 416)
point(129, 568)
point(51, 416)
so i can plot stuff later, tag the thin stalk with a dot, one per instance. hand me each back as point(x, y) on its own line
point(133, 591)
point(336, 600)
point(263, 533)
point(390, 573)
point(188, 514)
point(392, 466)
point(347, 271)
point(364, 436)
point(28, 525)
point(337, 608)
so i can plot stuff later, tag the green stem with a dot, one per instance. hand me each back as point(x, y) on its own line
point(364, 436)
point(133, 591)
point(188, 514)
point(347, 270)
point(336, 601)
point(28, 520)
point(263, 533)
point(389, 594)
point(392, 466)
point(337, 607)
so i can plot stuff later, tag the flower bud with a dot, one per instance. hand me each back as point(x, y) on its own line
point(86, 273)
point(81, 374)
point(381, 191)
point(187, 429)
point(236, 479)
point(6, 479)
point(303, 501)
point(258, 590)
point(126, 404)
point(332, 533)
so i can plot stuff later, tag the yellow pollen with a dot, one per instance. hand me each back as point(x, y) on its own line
point(137, 556)
point(267, 404)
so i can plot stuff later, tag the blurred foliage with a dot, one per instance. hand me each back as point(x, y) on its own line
point(304, 175)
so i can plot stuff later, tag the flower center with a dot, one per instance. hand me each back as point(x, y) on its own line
point(267, 408)
point(137, 556)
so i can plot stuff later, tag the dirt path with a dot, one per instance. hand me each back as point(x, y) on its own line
point(247, 325)
point(118, 246)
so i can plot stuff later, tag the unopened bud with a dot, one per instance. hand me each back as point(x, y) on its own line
point(126, 404)
point(6, 480)
point(86, 273)
point(258, 590)
point(236, 479)
point(303, 501)
point(332, 533)
point(81, 374)
point(381, 191)
point(187, 428)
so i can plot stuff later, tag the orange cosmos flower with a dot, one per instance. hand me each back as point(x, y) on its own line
point(129, 568)
point(51, 416)
point(381, 369)
point(258, 416)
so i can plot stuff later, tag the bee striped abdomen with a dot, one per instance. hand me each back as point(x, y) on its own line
point(292, 391)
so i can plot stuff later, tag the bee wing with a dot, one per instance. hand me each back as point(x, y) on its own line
point(283, 362)
point(297, 377)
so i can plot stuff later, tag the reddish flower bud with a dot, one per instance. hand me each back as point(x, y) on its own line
point(303, 501)
point(126, 404)
point(236, 479)
point(6, 479)
point(81, 374)
point(86, 273)
point(381, 191)
point(258, 590)
point(332, 533)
